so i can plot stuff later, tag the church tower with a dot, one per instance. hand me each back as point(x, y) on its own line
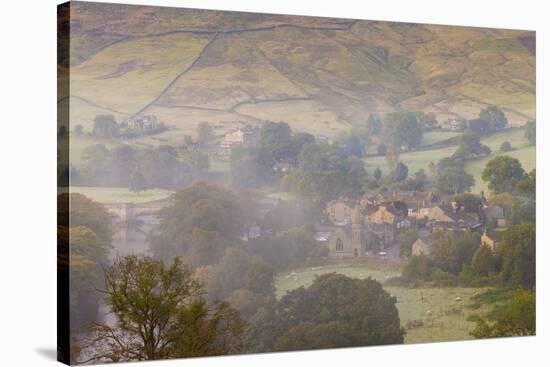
point(357, 230)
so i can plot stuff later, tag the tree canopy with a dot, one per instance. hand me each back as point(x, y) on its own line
point(160, 314)
point(360, 312)
point(451, 177)
point(494, 116)
point(203, 220)
point(518, 255)
point(503, 173)
point(517, 318)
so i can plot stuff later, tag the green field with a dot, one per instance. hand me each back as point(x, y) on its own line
point(119, 195)
point(443, 314)
point(80, 143)
point(421, 159)
point(437, 136)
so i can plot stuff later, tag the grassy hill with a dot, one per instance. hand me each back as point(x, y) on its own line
point(320, 75)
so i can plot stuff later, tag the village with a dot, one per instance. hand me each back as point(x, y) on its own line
point(276, 184)
point(369, 225)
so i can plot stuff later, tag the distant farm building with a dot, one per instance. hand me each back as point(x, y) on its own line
point(245, 136)
point(147, 122)
point(453, 125)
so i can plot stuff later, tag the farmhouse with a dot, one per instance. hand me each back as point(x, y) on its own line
point(453, 124)
point(143, 123)
point(245, 136)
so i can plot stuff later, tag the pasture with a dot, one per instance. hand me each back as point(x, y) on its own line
point(421, 159)
point(120, 195)
point(437, 136)
point(442, 312)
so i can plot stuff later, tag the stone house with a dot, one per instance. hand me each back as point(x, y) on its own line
point(422, 246)
point(495, 216)
point(141, 123)
point(491, 240)
point(245, 136)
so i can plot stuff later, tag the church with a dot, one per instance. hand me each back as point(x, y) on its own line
point(368, 229)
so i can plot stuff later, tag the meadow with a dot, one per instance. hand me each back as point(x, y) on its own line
point(422, 158)
point(444, 312)
point(119, 195)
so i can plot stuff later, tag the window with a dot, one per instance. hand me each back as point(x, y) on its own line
point(339, 245)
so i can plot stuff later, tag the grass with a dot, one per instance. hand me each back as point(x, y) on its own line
point(434, 137)
point(421, 159)
point(525, 155)
point(445, 318)
point(414, 160)
point(80, 143)
point(119, 195)
point(220, 165)
point(308, 116)
point(157, 60)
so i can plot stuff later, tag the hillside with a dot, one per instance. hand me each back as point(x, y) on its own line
point(320, 75)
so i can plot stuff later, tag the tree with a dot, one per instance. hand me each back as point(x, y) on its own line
point(308, 335)
point(503, 173)
point(377, 173)
point(242, 279)
point(494, 116)
point(402, 129)
point(297, 142)
point(406, 240)
point(381, 149)
point(138, 182)
point(188, 141)
point(285, 251)
point(531, 131)
point(451, 177)
point(483, 262)
point(517, 318)
point(451, 255)
point(506, 146)
point(361, 312)
point(401, 172)
point(275, 143)
point(105, 126)
point(518, 255)
point(205, 132)
point(418, 268)
point(421, 178)
point(528, 186)
point(374, 124)
point(197, 161)
point(217, 212)
point(470, 146)
point(161, 314)
point(469, 202)
point(83, 211)
point(351, 144)
point(426, 119)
